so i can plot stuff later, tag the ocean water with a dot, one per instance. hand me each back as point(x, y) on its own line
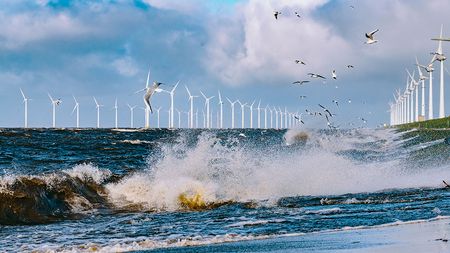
point(131, 190)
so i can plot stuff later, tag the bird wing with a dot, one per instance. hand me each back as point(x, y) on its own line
point(320, 76)
point(322, 106)
point(297, 82)
point(373, 32)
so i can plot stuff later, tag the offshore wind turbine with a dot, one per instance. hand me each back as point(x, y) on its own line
point(276, 117)
point(172, 93)
point(265, 117)
point(439, 56)
point(157, 115)
point(271, 116)
point(232, 111)
point(191, 110)
point(251, 114)
point(77, 107)
point(221, 111)
point(258, 109)
point(179, 118)
point(281, 117)
point(242, 113)
point(97, 105)
point(207, 99)
point(131, 115)
point(115, 108)
point(412, 86)
point(25, 101)
point(54, 104)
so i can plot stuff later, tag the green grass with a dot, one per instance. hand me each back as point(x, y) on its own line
point(428, 124)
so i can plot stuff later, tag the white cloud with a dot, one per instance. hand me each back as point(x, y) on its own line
point(125, 66)
point(256, 47)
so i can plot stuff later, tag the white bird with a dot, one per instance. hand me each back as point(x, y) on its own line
point(333, 74)
point(370, 39)
point(276, 13)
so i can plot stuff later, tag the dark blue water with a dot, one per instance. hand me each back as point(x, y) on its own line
point(107, 190)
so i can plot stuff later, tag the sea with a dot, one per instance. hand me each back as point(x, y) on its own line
point(118, 190)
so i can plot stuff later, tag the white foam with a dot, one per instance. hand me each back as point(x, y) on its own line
point(222, 173)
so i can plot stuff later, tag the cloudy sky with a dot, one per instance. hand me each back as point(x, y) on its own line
point(104, 48)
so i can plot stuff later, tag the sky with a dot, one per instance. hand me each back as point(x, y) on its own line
point(105, 48)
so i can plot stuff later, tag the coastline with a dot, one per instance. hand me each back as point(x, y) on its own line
point(414, 236)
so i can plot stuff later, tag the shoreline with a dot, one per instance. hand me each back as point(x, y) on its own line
point(415, 236)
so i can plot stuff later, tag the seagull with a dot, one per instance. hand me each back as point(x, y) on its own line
point(370, 39)
point(58, 101)
point(276, 13)
point(296, 14)
point(350, 66)
point(333, 74)
point(336, 102)
point(301, 62)
point(301, 82)
point(302, 97)
point(316, 75)
point(326, 110)
point(298, 119)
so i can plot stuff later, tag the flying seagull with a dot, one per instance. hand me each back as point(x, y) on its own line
point(336, 102)
point(301, 82)
point(296, 14)
point(333, 74)
point(350, 66)
point(302, 97)
point(301, 62)
point(316, 75)
point(370, 39)
point(276, 13)
point(149, 91)
point(326, 110)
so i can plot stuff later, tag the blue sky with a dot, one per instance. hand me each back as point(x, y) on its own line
point(105, 48)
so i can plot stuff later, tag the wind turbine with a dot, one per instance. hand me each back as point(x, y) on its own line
point(242, 113)
point(276, 117)
point(179, 118)
point(54, 104)
point(97, 105)
point(281, 117)
point(258, 109)
point(207, 99)
point(422, 79)
point(25, 101)
point(115, 108)
point(439, 56)
point(157, 114)
point(265, 117)
point(221, 111)
point(77, 107)
point(429, 69)
point(131, 115)
point(251, 114)
point(271, 116)
point(191, 110)
point(172, 93)
point(412, 87)
point(232, 111)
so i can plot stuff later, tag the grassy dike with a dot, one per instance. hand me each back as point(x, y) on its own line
point(443, 123)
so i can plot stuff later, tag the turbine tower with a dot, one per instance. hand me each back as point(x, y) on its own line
point(242, 113)
point(54, 104)
point(439, 56)
point(422, 80)
point(115, 108)
point(172, 93)
point(221, 111)
point(25, 101)
point(265, 117)
point(276, 117)
point(77, 107)
point(179, 118)
point(232, 111)
point(412, 86)
point(191, 110)
point(157, 115)
point(207, 99)
point(131, 115)
point(258, 109)
point(97, 105)
point(251, 114)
